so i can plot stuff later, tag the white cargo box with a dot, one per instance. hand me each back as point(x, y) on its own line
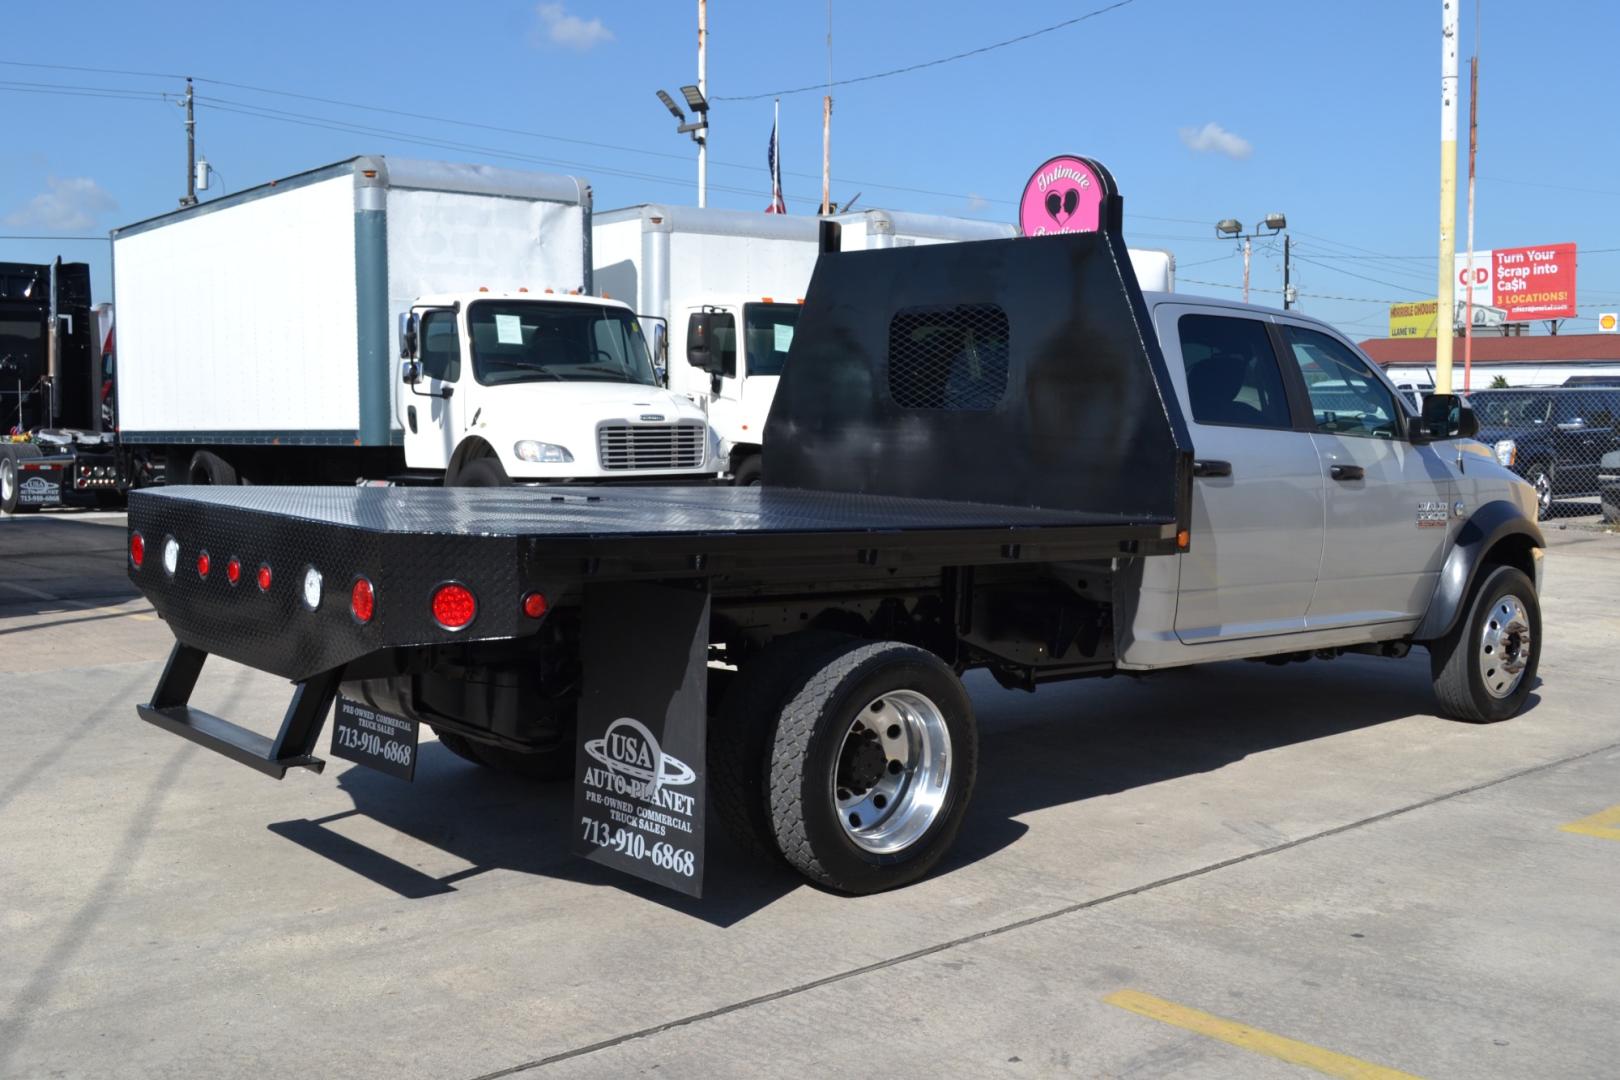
point(269, 316)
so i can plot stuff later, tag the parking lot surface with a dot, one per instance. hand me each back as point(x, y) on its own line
point(1240, 871)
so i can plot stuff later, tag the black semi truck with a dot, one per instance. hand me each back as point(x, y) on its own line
point(977, 458)
point(58, 430)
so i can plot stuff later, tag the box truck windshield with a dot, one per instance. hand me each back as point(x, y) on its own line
point(533, 341)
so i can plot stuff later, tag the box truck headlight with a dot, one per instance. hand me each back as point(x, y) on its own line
point(543, 453)
point(1506, 450)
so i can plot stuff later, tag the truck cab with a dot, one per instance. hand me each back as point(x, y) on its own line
point(742, 348)
point(503, 386)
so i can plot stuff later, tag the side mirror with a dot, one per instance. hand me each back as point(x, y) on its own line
point(407, 336)
point(698, 330)
point(410, 372)
point(1446, 417)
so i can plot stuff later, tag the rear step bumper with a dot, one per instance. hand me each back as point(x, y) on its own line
point(293, 747)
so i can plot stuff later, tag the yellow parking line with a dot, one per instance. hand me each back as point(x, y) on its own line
point(1604, 823)
point(1260, 1042)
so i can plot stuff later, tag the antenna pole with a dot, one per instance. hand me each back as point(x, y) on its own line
point(190, 198)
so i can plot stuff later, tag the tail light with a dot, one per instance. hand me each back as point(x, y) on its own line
point(203, 565)
point(264, 578)
point(534, 605)
point(233, 570)
point(454, 605)
point(362, 600)
point(137, 549)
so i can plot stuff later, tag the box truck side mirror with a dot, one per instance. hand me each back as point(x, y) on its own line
point(711, 342)
point(410, 372)
point(407, 337)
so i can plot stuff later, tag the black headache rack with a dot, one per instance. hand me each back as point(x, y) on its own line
point(950, 406)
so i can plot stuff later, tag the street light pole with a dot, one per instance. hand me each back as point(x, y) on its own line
point(703, 89)
point(1270, 225)
point(1287, 288)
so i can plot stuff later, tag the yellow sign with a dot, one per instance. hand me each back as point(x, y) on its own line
point(1415, 319)
point(1608, 322)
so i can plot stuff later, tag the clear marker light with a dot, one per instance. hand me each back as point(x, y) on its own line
point(312, 588)
point(171, 556)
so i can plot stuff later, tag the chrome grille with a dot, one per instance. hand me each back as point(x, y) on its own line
point(650, 446)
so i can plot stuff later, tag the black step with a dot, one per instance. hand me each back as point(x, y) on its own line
point(223, 737)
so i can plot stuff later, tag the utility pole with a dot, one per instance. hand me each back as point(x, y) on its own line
point(826, 125)
point(703, 89)
point(1245, 269)
point(1286, 294)
point(190, 198)
point(1448, 196)
point(1473, 148)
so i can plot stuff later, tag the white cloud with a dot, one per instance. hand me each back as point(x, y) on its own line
point(571, 31)
point(1214, 139)
point(68, 204)
point(975, 201)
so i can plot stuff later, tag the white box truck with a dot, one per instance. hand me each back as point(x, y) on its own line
point(257, 336)
point(752, 270)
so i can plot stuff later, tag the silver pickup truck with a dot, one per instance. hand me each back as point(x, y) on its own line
point(996, 456)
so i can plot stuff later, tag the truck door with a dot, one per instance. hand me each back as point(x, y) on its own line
point(432, 421)
point(1388, 501)
point(1257, 501)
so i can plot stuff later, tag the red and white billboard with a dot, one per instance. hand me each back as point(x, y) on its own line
point(1527, 283)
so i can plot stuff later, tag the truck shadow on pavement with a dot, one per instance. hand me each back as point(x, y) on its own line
point(1064, 745)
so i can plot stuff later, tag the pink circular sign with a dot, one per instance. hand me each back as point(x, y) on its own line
point(1064, 196)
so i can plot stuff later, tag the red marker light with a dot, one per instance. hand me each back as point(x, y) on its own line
point(233, 570)
point(264, 578)
point(362, 600)
point(137, 549)
point(203, 565)
point(534, 605)
point(454, 605)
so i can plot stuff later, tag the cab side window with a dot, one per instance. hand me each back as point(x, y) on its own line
point(441, 346)
point(1346, 397)
point(1232, 372)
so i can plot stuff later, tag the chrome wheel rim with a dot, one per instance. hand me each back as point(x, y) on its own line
point(1543, 493)
point(1505, 646)
point(893, 772)
point(8, 480)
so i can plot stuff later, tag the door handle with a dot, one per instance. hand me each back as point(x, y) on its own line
point(1211, 467)
point(1347, 472)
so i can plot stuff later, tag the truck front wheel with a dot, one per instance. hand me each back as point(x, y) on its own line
point(1484, 669)
point(871, 765)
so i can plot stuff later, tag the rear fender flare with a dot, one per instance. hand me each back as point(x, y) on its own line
point(1497, 526)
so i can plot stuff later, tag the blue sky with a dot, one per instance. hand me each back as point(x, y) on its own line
point(1328, 112)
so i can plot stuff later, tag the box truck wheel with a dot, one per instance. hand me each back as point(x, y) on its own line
point(870, 767)
point(748, 471)
point(1484, 669)
point(479, 472)
point(208, 467)
point(11, 489)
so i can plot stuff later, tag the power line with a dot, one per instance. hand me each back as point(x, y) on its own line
point(932, 63)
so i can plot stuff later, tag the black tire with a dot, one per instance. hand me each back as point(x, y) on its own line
point(742, 708)
point(555, 763)
point(1456, 661)
point(1540, 477)
point(748, 472)
point(804, 766)
point(11, 488)
point(208, 467)
point(480, 472)
point(458, 745)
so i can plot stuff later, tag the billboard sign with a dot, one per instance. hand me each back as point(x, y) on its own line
point(1415, 319)
point(1535, 282)
point(1484, 296)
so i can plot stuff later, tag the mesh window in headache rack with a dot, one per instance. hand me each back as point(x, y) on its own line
point(948, 357)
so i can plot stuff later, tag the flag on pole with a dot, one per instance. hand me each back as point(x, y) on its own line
point(773, 157)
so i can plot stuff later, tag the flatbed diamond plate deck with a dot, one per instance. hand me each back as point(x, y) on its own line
point(541, 512)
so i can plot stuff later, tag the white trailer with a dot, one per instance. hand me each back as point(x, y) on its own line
point(677, 261)
point(256, 334)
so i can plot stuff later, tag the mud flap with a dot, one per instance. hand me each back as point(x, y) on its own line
point(639, 794)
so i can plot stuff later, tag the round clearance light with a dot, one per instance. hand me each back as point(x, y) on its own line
point(233, 570)
point(312, 588)
point(264, 578)
point(203, 565)
point(534, 605)
point(137, 550)
point(171, 556)
point(454, 605)
point(362, 600)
